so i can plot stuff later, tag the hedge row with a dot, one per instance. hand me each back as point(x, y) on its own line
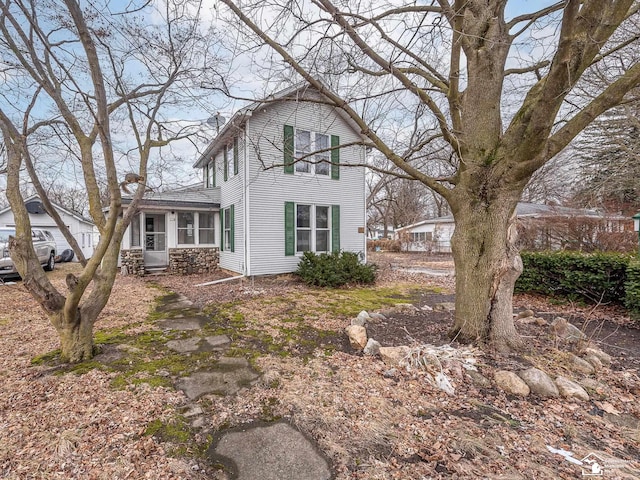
point(595, 277)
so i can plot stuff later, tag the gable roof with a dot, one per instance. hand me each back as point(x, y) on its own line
point(57, 207)
point(238, 120)
point(530, 210)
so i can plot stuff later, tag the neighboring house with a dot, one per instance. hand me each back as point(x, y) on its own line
point(540, 226)
point(433, 235)
point(376, 232)
point(82, 229)
point(276, 183)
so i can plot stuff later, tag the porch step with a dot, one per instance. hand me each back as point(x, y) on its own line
point(155, 270)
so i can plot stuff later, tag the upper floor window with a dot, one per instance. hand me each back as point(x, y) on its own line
point(210, 175)
point(306, 143)
point(230, 156)
point(230, 159)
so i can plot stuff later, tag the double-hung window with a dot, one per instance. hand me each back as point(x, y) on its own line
point(322, 229)
point(306, 143)
point(210, 174)
point(227, 224)
point(322, 158)
point(303, 148)
point(313, 231)
point(303, 228)
point(311, 153)
point(230, 158)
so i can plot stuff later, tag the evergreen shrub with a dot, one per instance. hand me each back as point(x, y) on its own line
point(334, 269)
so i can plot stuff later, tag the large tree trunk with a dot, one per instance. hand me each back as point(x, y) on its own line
point(76, 336)
point(487, 266)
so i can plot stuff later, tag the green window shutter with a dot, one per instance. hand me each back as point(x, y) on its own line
point(221, 230)
point(289, 229)
point(335, 228)
point(235, 156)
point(232, 247)
point(225, 163)
point(288, 149)
point(212, 166)
point(335, 157)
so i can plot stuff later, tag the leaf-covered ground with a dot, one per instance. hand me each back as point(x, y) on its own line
point(95, 423)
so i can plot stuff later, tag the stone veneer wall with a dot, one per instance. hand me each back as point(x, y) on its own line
point(193, 260)
point(132, 262)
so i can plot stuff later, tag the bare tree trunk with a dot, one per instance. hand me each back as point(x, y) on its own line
point(487, 267)
point(76, 336)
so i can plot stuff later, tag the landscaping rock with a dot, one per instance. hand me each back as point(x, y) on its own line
point(479, 379)
point(406, 308)
point(372, 348)
point(604, 358)
point(217, 341)
point(444, 307)
point(364, 315)
point(579, 365)
point(510, 383)
point(269, 452)
point(183, 323)
point(185, 345)
point(541, 322)
point(357, 336)
point(565, 330)
point(570, 389)
point(229, 376)
point(539, 382)
point(378, 317)
point(360, 322)
point(524, 314)
point(594, 361)
point(394, 356)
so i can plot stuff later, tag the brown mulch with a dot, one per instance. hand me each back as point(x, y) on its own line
point(372, 423)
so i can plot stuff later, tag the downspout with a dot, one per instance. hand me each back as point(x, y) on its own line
point(215, 282)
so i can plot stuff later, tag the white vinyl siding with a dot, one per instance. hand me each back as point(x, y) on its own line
point(231, 193)
point(270, 189)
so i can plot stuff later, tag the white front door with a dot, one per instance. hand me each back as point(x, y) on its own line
point(155, 240)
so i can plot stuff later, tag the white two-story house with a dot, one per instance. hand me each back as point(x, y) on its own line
point(283, 176)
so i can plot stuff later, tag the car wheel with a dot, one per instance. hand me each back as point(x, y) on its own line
point(51, 263)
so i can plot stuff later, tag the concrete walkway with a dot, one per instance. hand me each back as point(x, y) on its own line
point(256, 451)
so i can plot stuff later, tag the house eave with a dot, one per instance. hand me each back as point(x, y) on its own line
point(173, 204)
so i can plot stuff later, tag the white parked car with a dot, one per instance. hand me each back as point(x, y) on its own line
point(43, 243)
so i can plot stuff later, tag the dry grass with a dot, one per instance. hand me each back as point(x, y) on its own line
point(370, 425)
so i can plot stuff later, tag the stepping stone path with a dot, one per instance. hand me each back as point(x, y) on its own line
point(258, 451)
point(274, 451)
